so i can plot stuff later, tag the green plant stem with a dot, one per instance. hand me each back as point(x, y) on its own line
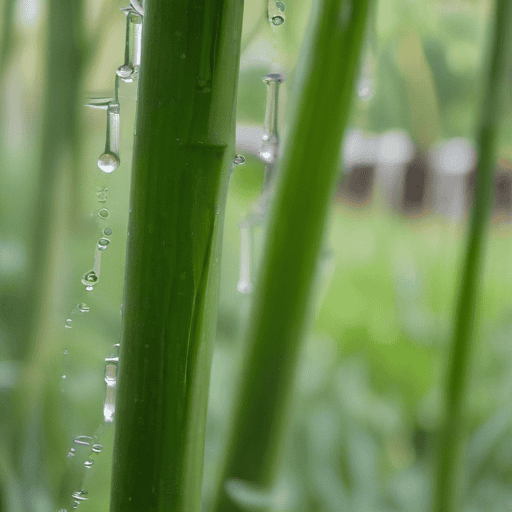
point(182, 158)
point(294, 239)
point(453, 430)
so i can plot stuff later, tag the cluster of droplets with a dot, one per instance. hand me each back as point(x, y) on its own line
point(268, 154)
point(85, 448)
point(275, 13)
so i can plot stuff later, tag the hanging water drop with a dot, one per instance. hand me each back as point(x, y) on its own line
point(276, 12)
point(239, 160)
point(110, 373)
point(83, 307)
point(104, 213)
point(110, 393)
point(270, 138)
point(109, 160)
point(124, 72)
point(103, 243)
point(90, 279)
point(136, 21)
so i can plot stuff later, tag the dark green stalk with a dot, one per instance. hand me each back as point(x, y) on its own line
point(294, 239)
point(453, 430)
point(182, 158)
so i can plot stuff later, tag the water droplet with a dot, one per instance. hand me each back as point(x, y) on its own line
point(75, 504)
point(80, 495)
point(83, 307)
point(97, 448)
point(102, 193)
point(88, 463)
point(90, 279)
point(277, 20)
point(66, 352)
point(239, 160)
point(68, 323)
point(103, 243)
point(83, 440)
point(107, 231)
point(64, 377)
point(280, 6)
point(71, 453)
point(104, 213)
point(108, 162)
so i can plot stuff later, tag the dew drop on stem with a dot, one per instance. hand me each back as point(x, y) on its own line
point(107, 231)
point(90, 279)
point(239, 160)
point(83, 307)
point(104, 213)
point(103, 243)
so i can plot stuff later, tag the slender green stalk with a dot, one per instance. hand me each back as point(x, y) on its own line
point(453, 430)
point(182, 158)
point(294, 239)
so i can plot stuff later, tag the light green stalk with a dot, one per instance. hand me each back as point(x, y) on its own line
point(182, 158)
point(453, 431)
point(295, 234)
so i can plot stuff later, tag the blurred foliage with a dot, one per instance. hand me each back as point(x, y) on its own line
point(368, 390)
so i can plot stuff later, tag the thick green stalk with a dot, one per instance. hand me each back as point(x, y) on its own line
point(182, 158)
point(294, 239)
point(453, 430)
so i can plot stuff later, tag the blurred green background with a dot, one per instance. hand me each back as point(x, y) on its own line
point(369, 383)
